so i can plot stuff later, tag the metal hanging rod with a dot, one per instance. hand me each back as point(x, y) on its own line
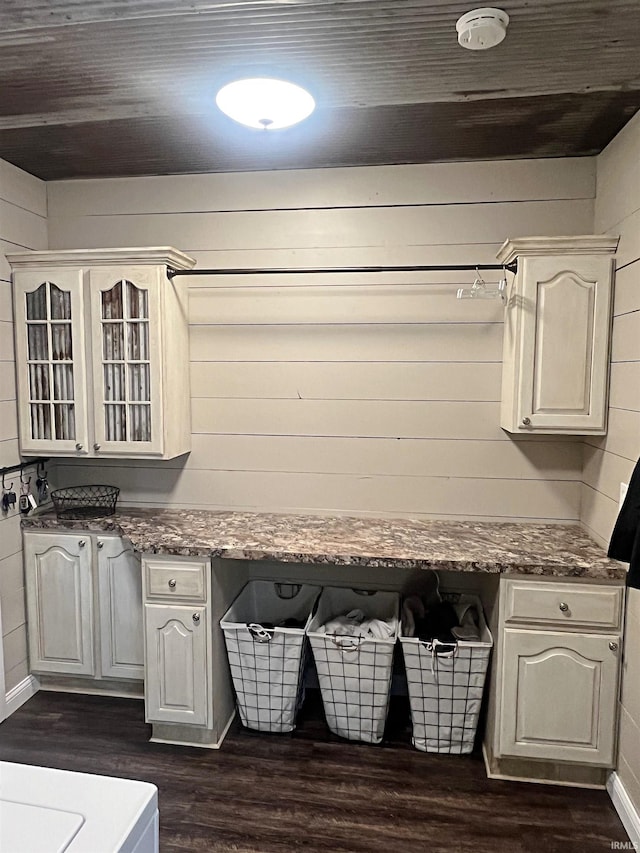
point(28, 463)
point(511, 267)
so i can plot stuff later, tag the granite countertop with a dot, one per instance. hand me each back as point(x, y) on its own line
point(462, 546)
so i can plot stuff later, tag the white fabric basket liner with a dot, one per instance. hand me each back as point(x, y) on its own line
point(354, 674)
point(445, 690)
point(267, 665)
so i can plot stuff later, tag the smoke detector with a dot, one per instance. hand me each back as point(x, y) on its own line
point(481, 29)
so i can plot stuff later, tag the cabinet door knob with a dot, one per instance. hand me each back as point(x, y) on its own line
point(81, 543)
point(196, 618)
point(613, 646)
point(78, 446)
point(526, 421)
point(100, 546)
point(563, 606)
point(96, 447)
point(172, 583)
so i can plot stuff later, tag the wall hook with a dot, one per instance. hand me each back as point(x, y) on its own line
point(20, 466)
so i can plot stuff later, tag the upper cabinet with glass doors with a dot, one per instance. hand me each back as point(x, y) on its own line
point(102, 353)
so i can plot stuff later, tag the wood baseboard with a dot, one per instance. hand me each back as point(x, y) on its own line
point(627, 811)
point(91, 686)
point(181, 735)
point(544, 772)
point(18, 695)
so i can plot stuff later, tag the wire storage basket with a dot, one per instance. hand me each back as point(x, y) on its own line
point(354, 672)
point(85, 501)
point(446, 684)
point(264, 632)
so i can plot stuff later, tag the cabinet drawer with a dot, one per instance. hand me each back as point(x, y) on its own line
point(176, 580)
point(562, 604)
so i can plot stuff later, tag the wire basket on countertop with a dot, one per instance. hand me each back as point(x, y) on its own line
point(85, 501)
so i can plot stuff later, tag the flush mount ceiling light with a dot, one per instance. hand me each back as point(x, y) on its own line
point(481, 29)
point(265, 103)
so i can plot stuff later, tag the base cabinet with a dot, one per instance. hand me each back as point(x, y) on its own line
point(120, 598)
point(176, 686)
point(178, 641)
point(84, 606)
point(559, 695)
point(557, 678)
point(59, 603)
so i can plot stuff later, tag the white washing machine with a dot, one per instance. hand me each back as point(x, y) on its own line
point(50, 811)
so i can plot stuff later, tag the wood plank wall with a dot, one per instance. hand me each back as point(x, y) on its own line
point(23, 225)
point(370, 394)
point(610, 460)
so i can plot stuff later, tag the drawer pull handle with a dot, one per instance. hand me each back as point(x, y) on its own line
point(172, 583)
point(526, 422)
point(100, 546)
point(196, 618)
point(81, 543)
point(563, 606)
point(613, 646)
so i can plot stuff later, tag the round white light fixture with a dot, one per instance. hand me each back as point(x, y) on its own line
point(481, 29)
point(265, 103)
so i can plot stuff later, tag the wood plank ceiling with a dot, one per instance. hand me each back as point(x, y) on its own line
point(126, 87)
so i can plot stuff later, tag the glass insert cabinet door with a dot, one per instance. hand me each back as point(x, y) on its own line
point(50, 346)
point(127, 392)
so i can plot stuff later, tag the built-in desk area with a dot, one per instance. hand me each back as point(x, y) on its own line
point(553, 600)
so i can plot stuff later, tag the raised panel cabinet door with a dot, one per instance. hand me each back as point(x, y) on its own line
point(559, 696)
point(176, 665)
point(127, 370)
point(50, 359)
point(565, 343)
point(59, 603)
point(121, 615)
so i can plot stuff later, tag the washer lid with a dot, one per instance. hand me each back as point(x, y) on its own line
point(36, 829)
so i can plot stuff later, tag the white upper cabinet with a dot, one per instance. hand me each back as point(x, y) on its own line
point(556, 337)
point(102, 353)
point(126, 348)
point(49, 311)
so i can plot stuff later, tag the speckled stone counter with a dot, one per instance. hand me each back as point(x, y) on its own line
point(462, 546)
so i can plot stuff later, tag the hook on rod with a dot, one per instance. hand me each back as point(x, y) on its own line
point(20, 466)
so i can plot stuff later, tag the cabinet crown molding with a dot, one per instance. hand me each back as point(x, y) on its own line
point(165, 255)
point(585, 244)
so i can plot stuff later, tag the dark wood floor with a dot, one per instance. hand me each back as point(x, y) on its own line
point(310, 791)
